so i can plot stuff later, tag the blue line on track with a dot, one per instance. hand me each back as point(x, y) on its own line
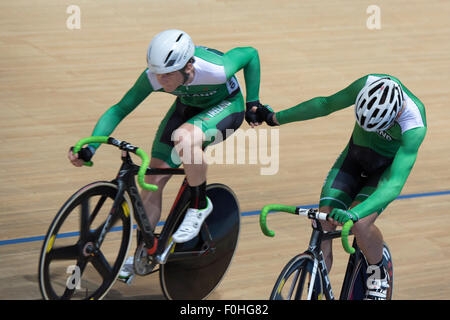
point(244, 214)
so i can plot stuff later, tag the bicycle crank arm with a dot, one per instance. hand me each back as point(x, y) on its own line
point(162, 258)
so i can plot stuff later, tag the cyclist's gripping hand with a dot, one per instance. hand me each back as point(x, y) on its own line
point(266, 113)
point(251, 116)
point(78, 159)
point(256, 114)
point(342, 216)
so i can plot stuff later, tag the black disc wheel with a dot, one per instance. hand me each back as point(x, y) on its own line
point(196, 276)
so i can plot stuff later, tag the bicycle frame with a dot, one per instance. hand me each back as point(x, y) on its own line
point(126, 183)
point(314, 249)
point(211, 251)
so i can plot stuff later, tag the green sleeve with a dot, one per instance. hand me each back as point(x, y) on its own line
point(322, 106)
point(115, 114)
point(246, 58)
point(393, 180)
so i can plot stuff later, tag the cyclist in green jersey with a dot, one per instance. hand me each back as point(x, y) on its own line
point(208, 102)
point(374, 166)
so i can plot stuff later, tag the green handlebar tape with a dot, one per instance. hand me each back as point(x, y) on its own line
point(82, 142)
point(344, 237)
point(141, 153)
point(143, 169)
point(266, 210)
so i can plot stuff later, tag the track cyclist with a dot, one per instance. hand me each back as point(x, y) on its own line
point(374, 166)
point(208, 102)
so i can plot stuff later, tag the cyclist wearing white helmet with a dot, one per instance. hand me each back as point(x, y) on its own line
point(378, 104)
point(373, 168)
point(208, 103)
point(168, 52)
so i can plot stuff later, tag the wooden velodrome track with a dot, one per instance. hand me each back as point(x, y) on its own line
point(56, 82)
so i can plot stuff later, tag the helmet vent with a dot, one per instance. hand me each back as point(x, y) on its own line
point(179, 37)
point(373, 90)
point(371, 102)
point(385, 93)
point(168, 56)
point(363, 119)
point(375, 113)
point(392, 96)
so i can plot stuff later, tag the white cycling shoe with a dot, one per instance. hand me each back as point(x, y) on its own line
point(126, 274)
point(193, 220)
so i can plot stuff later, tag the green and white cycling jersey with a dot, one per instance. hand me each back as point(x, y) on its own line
point(214, 82)
point(400, 143)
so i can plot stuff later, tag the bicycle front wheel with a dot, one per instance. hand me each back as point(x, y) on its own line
point(296, 281)
point(86, 244)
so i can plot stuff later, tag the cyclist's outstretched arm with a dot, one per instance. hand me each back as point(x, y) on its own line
point(394, 178)
point(115, 114)
point(245, 58)
point(322, 106)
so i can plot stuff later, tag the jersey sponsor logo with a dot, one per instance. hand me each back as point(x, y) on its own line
point(385, 135)
point(193, 95)
point(217, 109)
point(232, 84)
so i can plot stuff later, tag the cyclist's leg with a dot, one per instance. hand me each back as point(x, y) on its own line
point(370, 240)
point(364, 170)
point(161, 157)
point(152, 200)
point(190, 140)
point(203, 129)
point(368, 236)
point(337, 192)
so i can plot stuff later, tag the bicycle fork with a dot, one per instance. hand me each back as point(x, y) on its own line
point(111, 217)
point(327, 284)
point(319, 262)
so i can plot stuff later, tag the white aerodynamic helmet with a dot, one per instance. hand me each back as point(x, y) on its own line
point(378, 104)
point(169, 51)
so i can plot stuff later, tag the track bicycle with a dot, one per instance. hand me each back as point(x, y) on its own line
point(306, 277)
point(88, 241)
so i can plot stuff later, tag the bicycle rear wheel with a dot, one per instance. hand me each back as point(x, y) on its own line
point(71, 266)
point(295, 280)
point(195, 277)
